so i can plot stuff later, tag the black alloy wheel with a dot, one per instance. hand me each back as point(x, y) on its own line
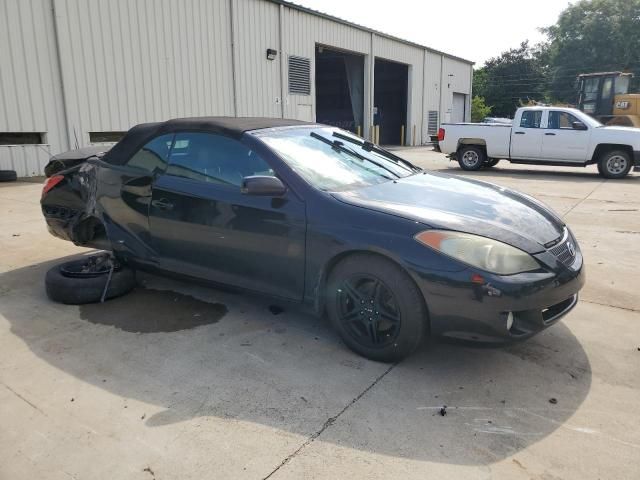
point(369, 311)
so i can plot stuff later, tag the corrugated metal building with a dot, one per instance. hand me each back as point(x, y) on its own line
point(77, 72)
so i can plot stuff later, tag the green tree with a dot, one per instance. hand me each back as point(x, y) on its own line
point(517, 75)
point(480, 81)
point(592, 36)
point(479, 109)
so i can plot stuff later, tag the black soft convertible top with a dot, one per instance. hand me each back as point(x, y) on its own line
point(230, 126)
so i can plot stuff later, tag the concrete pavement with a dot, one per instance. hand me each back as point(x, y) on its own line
point(241, 392)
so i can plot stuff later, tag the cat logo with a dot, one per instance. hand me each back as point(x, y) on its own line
point(623, 105)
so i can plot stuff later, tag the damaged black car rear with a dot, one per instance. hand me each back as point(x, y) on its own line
point(310, 213)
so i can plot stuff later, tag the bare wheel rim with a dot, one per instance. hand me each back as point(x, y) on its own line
point(616, 164)
point(470, 158)
point(91, 267)
point(368, 311)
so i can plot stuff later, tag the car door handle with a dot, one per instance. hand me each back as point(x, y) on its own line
point(519, 133)
point(162, 204)
point(550, 134)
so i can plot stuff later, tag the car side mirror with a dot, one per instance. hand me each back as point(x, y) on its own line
point(263, 185)
point(579, 126)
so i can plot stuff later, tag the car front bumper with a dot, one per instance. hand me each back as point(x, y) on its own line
point(461, 309)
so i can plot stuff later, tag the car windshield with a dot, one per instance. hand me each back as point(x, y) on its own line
point(332, 159)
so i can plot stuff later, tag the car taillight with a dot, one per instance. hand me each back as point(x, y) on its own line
point(441, 134)
point(51, 182)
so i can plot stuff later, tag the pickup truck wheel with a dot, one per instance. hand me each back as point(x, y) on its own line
point(471, 158)
point(491, 162)
point(614, 164)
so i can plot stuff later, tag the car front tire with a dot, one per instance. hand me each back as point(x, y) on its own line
point(376, 307)
point(471, 158)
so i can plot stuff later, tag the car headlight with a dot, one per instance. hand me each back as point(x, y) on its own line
point(481, 252)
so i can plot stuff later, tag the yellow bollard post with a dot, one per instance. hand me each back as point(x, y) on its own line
point(402, 136)
point(358, 130)
point(377, 134)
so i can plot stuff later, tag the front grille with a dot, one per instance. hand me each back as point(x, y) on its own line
point(566, 250)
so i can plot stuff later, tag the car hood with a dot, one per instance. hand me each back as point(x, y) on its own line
point(465, 205)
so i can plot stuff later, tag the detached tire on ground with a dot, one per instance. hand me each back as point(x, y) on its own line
point(471, 158)
point(614, 164)
point(8, 176)
point(376, 307)
point(70, 282)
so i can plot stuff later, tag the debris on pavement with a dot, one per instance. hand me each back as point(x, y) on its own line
point(149, 471)
point(443, 411)
point(553, 400)
point(275, 309)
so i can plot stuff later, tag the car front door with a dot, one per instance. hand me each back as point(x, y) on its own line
point(202, 224)
point(526, 137)
point(562, 141)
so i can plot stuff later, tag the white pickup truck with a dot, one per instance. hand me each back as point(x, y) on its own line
point(544, 136)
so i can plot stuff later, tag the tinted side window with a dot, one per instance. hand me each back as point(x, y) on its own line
point(561, 120)
point(214, 159)
point(154, 155)
point(531, 119)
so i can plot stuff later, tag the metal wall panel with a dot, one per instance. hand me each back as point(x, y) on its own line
point(256, 28)
point(301, 32)
point(30, 90)
point(456, 78)
point(432, 85)
point(127, 62)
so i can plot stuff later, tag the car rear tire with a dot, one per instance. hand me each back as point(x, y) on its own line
point(614, 164)
point(8, 176)
point(66, 283)
point(471, 158)
point(376, 307)
point(491, 162)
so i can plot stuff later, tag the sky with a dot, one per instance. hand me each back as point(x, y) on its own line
point(472, 29)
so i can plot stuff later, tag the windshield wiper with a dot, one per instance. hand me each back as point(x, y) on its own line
point(340, 147)
point(368, 147)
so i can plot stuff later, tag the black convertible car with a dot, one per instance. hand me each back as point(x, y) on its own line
point(314, 214)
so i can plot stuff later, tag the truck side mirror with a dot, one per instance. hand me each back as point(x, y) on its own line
point(579, 126)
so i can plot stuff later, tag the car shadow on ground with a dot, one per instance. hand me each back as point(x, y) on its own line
point(208, 353)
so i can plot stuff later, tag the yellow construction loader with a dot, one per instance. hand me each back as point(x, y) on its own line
point(605, 96)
